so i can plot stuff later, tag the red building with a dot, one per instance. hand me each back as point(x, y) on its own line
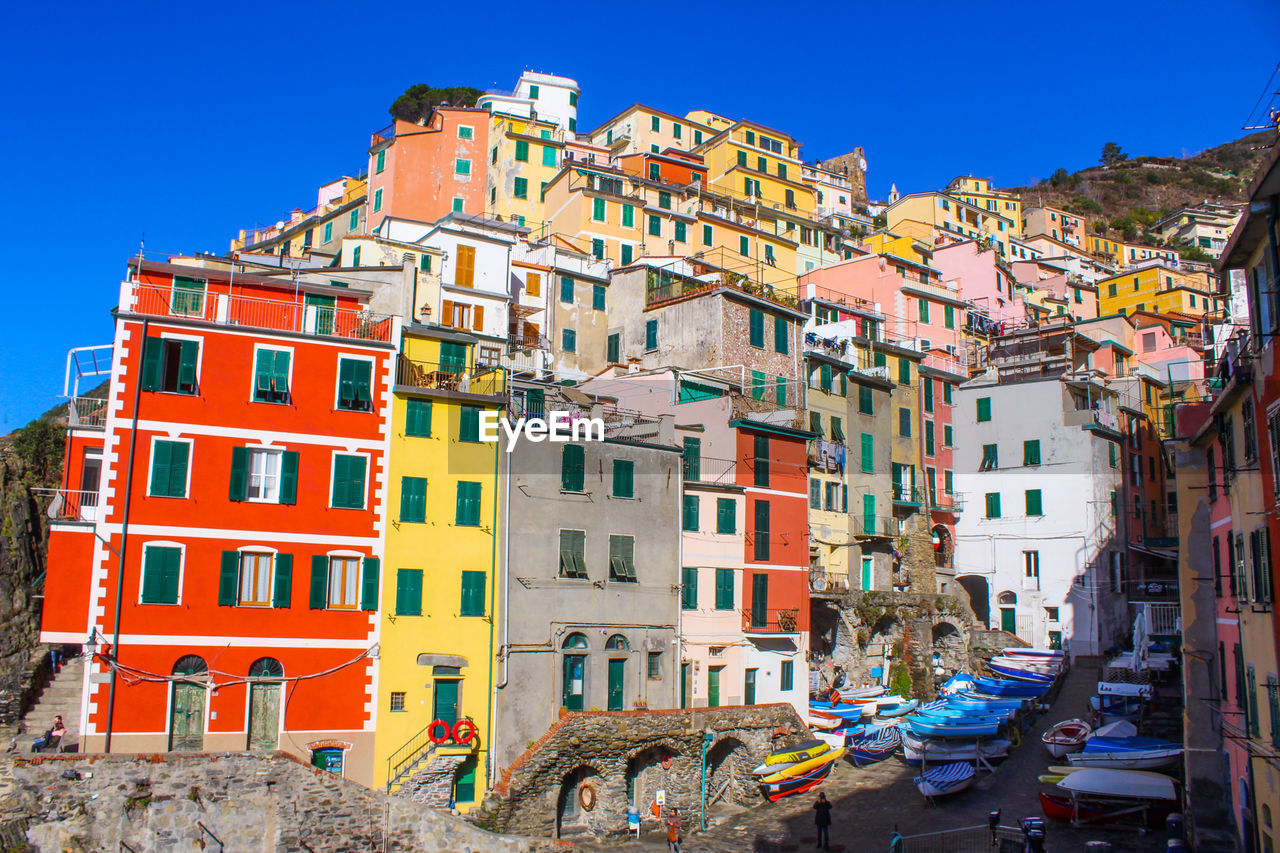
point(772, 468)
point(221, 552)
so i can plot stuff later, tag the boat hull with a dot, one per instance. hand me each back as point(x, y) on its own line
point(945, 780)
point(774, 791)
point(1130, 760)
point(1086, 811)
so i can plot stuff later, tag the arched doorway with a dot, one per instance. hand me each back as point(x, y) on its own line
point(186, 710)
point(578, 801)
point(975, 586)
point(729, 772)
point(646, 775)
point(943, 545)
point(1008, 602)
point(574, 689)
point(264, 703)
point(618, 649)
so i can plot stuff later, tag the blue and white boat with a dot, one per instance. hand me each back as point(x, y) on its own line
point(896, 709)
point(1006, 687)
point(956, 727)
point(923, 750)
point(945, 779)
point(874, 746)
point(1129, 753)
point(1011, 670)
point(957, 683)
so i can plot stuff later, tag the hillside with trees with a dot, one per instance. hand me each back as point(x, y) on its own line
point(1123, 196)
point(417, 101)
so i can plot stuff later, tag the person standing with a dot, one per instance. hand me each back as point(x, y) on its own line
point(822, 818)
point(673, 831)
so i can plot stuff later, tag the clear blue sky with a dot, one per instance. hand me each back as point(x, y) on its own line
point(185, 124)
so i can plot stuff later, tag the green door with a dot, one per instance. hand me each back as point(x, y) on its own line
point(574, 681)
point(464, 784)
point(319, 314)
point(264, 716)
point(186, 719)
point(1007, 620)
point(684, 686)
point(713, 686)
point(453, 357)
point(617, 681)
point(759, 601)
point(866, 572)
point(445, 703)
point(749, 687)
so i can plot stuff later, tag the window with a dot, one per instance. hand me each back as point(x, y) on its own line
point(336, 583)
point(984, 409)
point(569, 340)
point(566, 289)
point(377, 200)
point(786, 677)
point(597, 209)
point(573, 554)
point(1113, 457)
point(413, 500)
point(472, 593)
point(623, 478)
point(354, 223)
point(946, 393)
point(628, 216)
point(548, 155)
point(781, 335)
point(761, 460)
point(664, 200)
point(467, 512)
point(169, 364)
point(408, 594)
point(947, 435)
point(929, 448)
point(469, 424)
point(1031, 452)
point(904, 422)
point(724, 589)
point(417, 418)
point(726, 515)
point(993, 505)
point(622, 559)
point(462, 167)
point(328, 232)
point(348, 489)
point(837, 429)
point(1034, 503)
point(573, 468)
point(926, 383)
point(264, 475)
point(706, 235)
point(169, 469)
point(533, 92)
point(756, 328)
point(761, 539)
point(397, 698)
point(655, 225)
point(520, 188)
point(354, 379)
point(744, 247)
point(161, 571)
point(655, 123)
point(1250, 431)
point(522, 151)
point(865, 400)
point(688, 589)
point(1273, 438)
point(949, 316)
point(690, 514)
point(654, 671)
point(627, 255)
point(868, 453)
point(271, 376)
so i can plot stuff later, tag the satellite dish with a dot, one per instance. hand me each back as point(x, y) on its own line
point(862, 164)
point(55, 507)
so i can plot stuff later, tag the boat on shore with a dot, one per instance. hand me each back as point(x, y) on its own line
point(872, 747)
point(1135, 753)
point(1095, 796)
point(945, 779)
point(917, 750)
point(1066, 737)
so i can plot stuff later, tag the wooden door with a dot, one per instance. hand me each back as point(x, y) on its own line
point(574, 681)
point(1007, 620)
point(713, 686)
point(186, 718)
point(264, 716)
point(749, 687)
point(617, 682)
point(445, 704)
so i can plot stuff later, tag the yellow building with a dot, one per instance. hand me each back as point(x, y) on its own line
point(437, 643)
point(340, 210)
point(755, 163)
point(1157, 288)
point(929, 215)
point(893, 245)
point(640, 129)
point(979, 193)
point(524, 157)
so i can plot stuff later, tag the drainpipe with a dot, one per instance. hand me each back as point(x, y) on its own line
point(124, 537)
point(493, 616)
point(706, 742)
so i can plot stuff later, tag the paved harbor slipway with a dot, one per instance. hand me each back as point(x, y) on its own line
point(870, 802)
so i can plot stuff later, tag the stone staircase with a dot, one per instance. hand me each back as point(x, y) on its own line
point(60, 696)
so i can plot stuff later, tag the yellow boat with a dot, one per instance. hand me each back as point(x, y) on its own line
point(802, 751)
point(804, 767)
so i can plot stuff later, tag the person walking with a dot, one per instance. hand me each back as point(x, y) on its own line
point(673, 831)
point(822, 818)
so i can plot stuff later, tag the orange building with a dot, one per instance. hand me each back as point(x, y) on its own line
point(424, 172)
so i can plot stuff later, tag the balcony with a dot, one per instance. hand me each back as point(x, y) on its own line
point(947, 363)
point(828, 582)
point(664, 286)
point(946, 501)
point(278, 315)
point(769, 620)
point(523, 342)
point(708, 470)
point(872, 526)
point(71, 505)
point(907, 495)
point(86, 413)
point(437, 376)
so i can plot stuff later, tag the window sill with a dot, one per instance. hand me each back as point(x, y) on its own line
point(332, 506)
point(623, 497)
point(171, 497)
point(270, 402)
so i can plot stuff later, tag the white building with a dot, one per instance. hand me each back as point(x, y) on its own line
point(542, 96)
point(1039, 549)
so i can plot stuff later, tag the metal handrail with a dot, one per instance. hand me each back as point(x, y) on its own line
point(71, 504)
point(777, 620)
point(446, 376)
point(87, 412)
point(409, 753)
point(710, 470)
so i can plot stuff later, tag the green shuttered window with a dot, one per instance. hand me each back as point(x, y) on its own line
point(408, 592)
point(624, 478)
point(467, 513)
point(1034, 505)
point(761, 550)
point(417, 418)
point(413, 499)
point(691, 504)
point(573, 468)
point(161, 571)
point(469, 423)
point(724, 589)
point(271, 376)
point(726, 515)
point(169, 469)
point(688, 589)
point(354, 378)
point(984, 409)
point(573, 554)
point(348, 481)
point(473, 584)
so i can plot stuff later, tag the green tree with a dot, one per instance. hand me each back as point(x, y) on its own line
point(1059, 179)
point(1111, 154)
point(418, 100)
point(1188, 252)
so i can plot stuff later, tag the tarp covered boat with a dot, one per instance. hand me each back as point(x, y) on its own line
point(945, 779)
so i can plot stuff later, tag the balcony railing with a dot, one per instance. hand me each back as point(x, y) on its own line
point(873, 525)
point(828, 581)
point(71, 505)
point(950, 501)
point(232, 310)
point(437, 376)
point(903, 494)
point(664, 286)
point(770, 620)
point(86, 413)
point(519, 342)
point(710, 470)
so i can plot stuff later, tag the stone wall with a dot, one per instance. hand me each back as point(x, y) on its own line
point(244, 801)
point(644, 751)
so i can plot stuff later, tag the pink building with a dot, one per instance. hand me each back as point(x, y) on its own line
point(983, 280)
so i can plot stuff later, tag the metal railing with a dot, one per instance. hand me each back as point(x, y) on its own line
point(516, 342)
point(969, 839)
point(1162, 618)
point(708, 469)
point(71, 505)
point(876, 525)
point(903, 494)
point(280, 315)
point(87, 412)
point(401, 762)
point(770, 620)
point(828, 581)
point(941, 499)
point(663, 286)
point(443, 376)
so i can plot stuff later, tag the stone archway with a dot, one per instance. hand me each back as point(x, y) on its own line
point(729, 766)
point(979, 597)
point(944, 545)
point(572, 817)
point(646, 774)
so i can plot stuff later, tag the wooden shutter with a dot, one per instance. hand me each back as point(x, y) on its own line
point(319, 582)
point(170, 574)
point(477, 323)
point(762, 530)
point(465, 274)
point(689, 589)
point(781, 334)
point(693, 459)
point(229, 578)
point(356, 481)
point(573, 468)
point(283, 592)
point(369, 584)
point(178, 451)
point(446, 314)
point(188, 355)
point(280, 374)
point(691, 512)
point(759, 600)
point(362, 373)
point(756, 328)
point(623, 478)
point(724, 589)
point(726, 515)
point(289, 477)
point(160, 463)
point(762, 461)
point(152, 363)
point(239, 473)
point(472, 603)
point(152, 569)
point(263, 373)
